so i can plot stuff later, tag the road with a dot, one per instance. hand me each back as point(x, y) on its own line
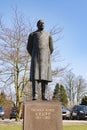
point(65, 122)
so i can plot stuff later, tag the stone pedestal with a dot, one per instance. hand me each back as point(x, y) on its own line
point(42, 115)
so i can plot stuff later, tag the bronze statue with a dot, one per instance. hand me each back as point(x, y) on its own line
point(40, 47)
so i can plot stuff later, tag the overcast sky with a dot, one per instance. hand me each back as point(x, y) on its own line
point(69, 14)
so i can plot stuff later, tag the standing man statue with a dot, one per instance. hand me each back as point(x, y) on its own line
point(40, 47)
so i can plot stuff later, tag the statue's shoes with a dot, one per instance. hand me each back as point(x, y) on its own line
point(34, 99)
point(44, 99)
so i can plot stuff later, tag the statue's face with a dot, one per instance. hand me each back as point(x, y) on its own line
point(41, 25)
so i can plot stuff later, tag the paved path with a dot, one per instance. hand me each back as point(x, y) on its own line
point(10, 122)
point(74, 122)
point(65, 122)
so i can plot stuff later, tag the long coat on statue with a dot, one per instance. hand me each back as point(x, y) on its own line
point(40, 47)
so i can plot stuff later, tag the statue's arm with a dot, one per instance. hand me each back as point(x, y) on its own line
point(30, 44)
point(51, 44)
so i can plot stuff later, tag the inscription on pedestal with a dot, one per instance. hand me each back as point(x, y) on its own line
point(43, 113)
point(42, 116)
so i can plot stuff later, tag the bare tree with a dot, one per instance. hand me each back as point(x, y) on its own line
point(69, 82)
point(14, 60)
point(76, 87)
point(81, 88)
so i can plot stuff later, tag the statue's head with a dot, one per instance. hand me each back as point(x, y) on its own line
point(40, 25)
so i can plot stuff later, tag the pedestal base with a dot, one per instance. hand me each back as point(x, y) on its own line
point(42, 115)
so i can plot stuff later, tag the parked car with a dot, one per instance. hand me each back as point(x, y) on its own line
point(2, 113)
point(79, 112)
point(65, 113)
point(13, 114)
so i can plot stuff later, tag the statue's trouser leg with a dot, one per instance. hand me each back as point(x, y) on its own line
point(44, 86)
point(34, 90)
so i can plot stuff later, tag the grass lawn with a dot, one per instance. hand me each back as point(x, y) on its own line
point(10, 127)
point(75, 127)
point(64, 127)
